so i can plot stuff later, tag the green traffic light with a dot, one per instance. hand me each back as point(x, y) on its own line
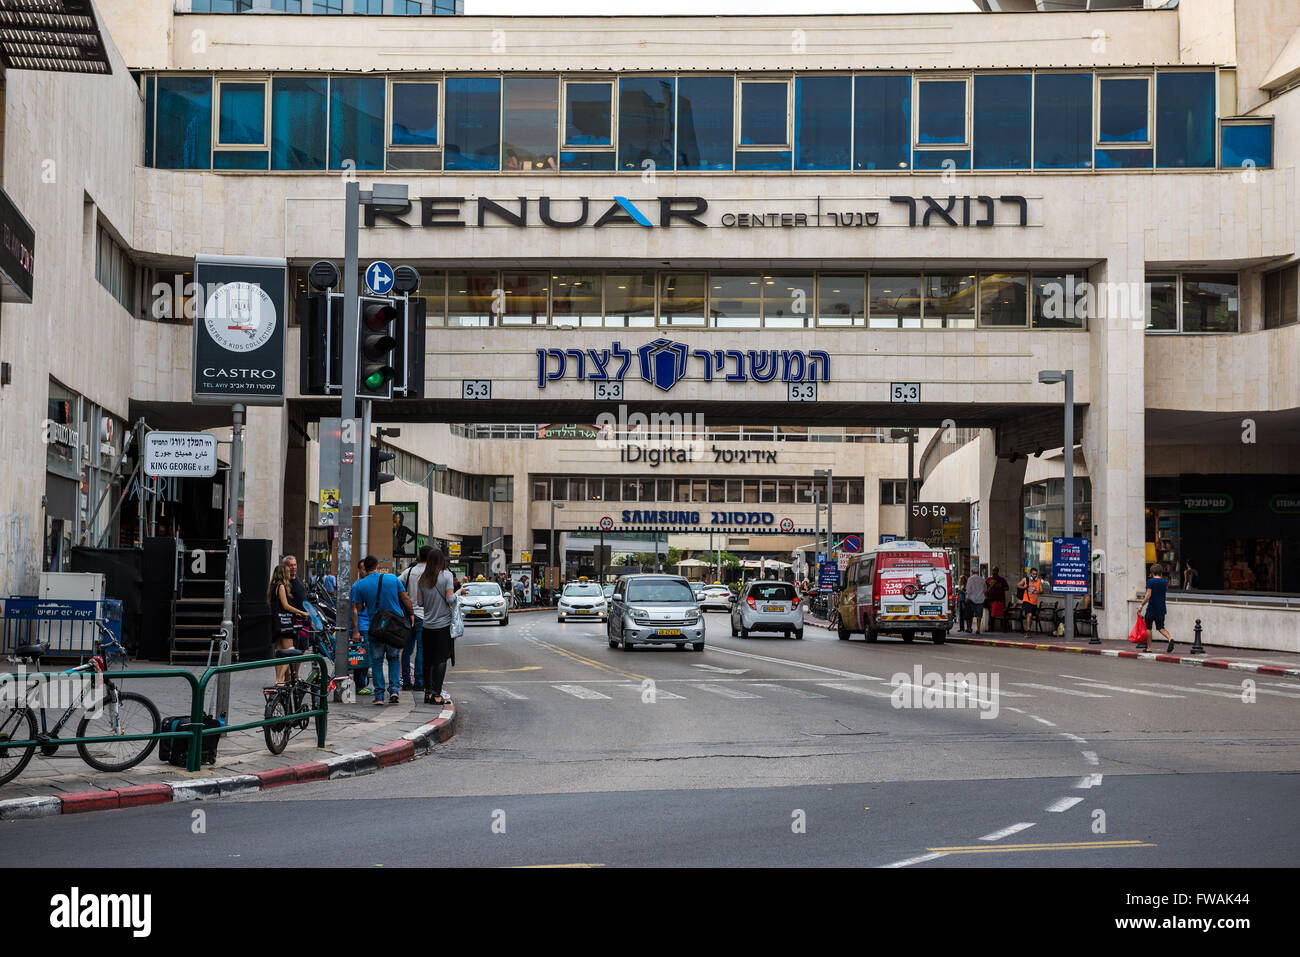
point(375, 380)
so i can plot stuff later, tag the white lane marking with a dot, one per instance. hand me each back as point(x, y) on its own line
point(796, 692)
point(1064, 804)
point(856, 689)
point(1090, 757)
point(1069, 691)
point(1008, 831)
point(835, 672)
point(1074, 737)
point(1289, 685)
point(1016, 710)
point(725, 691)
point(1089, 781)
point(723, 671)
point(504, 693)
point(914, 860)
point(660, 694)
point(578, 691)
point(1042, 721)
point(1258, 690)
point(1217, 694)
point(1089, 683)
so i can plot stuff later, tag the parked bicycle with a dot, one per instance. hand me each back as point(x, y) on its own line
point(110, 714)
point(297, 695)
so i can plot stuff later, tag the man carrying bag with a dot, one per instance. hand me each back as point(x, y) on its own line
point(390, 613)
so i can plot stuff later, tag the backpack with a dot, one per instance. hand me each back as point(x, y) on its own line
point(176, 751)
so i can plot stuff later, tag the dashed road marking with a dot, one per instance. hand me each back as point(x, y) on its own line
point(1090, 756)
point(660, 694)
point(794, 692)
point(1089, 781)
point(1258, 690)
point(1069, 691)
point(725, 691)
point(1064, 804)
point(915, 860)
point(1089, 683)
point(504, 693)
point(1008, 831)
point(1074, 737)
point(855, 689)
point(1050, 724)
point(578, 691)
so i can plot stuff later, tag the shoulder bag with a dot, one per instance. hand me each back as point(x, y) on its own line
point(388, 627)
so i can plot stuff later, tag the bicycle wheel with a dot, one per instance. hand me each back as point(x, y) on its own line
point(120, 713)
point(277, 735)
point(940, 593)
point(16, 724)
point(910, 591)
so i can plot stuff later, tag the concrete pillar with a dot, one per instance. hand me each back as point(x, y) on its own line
point(1001, 511)
point(1114, 425)
point(265, 441)
point(296, 493)
point(520, 514)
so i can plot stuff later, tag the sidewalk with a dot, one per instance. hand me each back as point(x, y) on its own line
point(1237, 659)
point(393, 733)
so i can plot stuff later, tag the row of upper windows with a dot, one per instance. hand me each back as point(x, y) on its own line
point(406, 8)
point(1164, 119)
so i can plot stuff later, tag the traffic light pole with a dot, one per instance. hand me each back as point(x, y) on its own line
point(364, 513)
point(348, 436)
point(222, 707)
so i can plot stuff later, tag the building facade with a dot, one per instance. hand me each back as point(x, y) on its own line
point(819, 222)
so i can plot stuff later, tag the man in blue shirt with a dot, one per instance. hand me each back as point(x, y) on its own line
point(379, 591)
point(1154, 603)
point(330, 582)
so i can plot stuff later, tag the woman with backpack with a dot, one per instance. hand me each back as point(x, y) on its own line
point(437, 588)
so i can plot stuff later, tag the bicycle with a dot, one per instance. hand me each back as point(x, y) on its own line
point(296, 696)
point(109, 713)
point(934, 587)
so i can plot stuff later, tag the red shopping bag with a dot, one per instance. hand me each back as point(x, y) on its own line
point(1139, 633)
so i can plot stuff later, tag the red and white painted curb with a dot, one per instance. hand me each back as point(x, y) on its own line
point(408, 747)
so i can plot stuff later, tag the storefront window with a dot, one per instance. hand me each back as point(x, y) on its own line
point(1003, 299)
point(470, 298)
point(630, 299)
point(681, 299)
point(841, 300)
point(705, 122)
point(575, 298)
point(950, 301)
point(895, 301)
point(1044, 515)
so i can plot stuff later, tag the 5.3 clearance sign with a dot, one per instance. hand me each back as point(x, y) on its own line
point(239, 330)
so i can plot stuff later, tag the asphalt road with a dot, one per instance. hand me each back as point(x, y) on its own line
point(770, 751)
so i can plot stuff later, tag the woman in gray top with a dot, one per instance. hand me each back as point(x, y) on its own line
point(438, 598)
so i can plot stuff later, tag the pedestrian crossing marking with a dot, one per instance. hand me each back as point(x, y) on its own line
point(499, 692)
point(578, 691)
point(793, 692)
point(855, 689)
point(1069, 691)
point(725, 691)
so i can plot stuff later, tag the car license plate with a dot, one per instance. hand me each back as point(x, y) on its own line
point(773, 608)
point(668, 632)
point(931, 610)
point(898, 609)
point(582, 611)
point(478, 611)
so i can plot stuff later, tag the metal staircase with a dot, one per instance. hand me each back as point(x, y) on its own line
point(197, 600)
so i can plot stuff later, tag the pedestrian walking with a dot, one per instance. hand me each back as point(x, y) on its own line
point(1189, 576)
point(976, 589)
point(289, 616)
point(438, 599)
point(1154, 603)
point(963, 607)
point(995, 590)
point(413, 652)
point(1031, 589)
point(380, 591)
point(360, 629)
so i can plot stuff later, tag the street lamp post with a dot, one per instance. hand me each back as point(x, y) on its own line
point(495, 494)
point(1051, 377)
point(816, 495)
point(830, 524)
point(550, 554)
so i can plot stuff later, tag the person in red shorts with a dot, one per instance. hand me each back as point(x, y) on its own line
point(996, 590)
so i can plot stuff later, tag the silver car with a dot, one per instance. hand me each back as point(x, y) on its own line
point(654, 610)
point(768, 606)
point(716, 598)
point(482, 603)
point(581, 600)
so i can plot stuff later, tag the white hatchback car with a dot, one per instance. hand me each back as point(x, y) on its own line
point(768, 606)
point(716, 598)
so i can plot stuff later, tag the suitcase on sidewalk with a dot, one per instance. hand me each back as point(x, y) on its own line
point(176, 751)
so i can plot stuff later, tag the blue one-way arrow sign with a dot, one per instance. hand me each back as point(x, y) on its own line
point(379, 277)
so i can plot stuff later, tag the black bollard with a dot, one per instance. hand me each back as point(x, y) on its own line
point(1197, 647)
point(1095, 639)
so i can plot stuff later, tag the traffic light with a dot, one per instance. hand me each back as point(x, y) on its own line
point(410, 349)
point(320, 362)
point(376, 348)
point(378, 456)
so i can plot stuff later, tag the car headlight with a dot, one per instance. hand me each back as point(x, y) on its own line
point(499, 602)
point(693, 619)
point(639, 614)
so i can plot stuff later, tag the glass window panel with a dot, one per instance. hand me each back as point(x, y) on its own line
point(611, 489)
point(1003, 298)
point(1001, 122)
point(950, 300)
point(1063, 121)
point(699, 491)
point(560, 489)
point(629, 490)
point(595, 490)
point(1210, 302)
point(1246, 144)
point(717, 490)
point(150, 104)
point(735, 301)
point(184, 126)
point(525, 298)
point(803, 489)
point(1122, 110)
point(763, 112)
point(683, 490)
point(767, 491)
point(541, 490)
point(601, 161)
point(941, 159)
point(242, 119)
point(645, 490)
point(841, 300)
point(415, 114)
point(422, 160)
point(473, 123)
point(1185, 124)
point(734, 493)
point(763, 160)
point(298, 109)
point(1273, 299)
point(357, 121)
point(433, 290)
point(894, 301)
point(705, 122)
point(575, 298)
point(664, 490)
point(1056, 303)
point(1124, 159)
point(1162, 302)
point(785, 492)
point(1288, 304)
point(882, 122)
point(239, 159)
point(588, 114)
point(941, 111)
point(751, 492)
point(645, 122)
point(823, 119)
point(681, 299)
point(787, 300)
point(577, 490)
point(630, 299)
point(530, 123)
point(470, 297)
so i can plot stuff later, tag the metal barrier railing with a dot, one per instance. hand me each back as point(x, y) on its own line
point(195, 730)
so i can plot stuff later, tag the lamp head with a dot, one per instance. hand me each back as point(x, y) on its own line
point(1051, 376)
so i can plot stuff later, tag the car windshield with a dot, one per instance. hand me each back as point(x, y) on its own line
point(659, 591)
point(775, 591)
point(717, 590)
point(482, 588)
point(582, 591)
point(609, 590)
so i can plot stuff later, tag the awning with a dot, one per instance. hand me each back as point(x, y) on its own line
point(55, 35)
